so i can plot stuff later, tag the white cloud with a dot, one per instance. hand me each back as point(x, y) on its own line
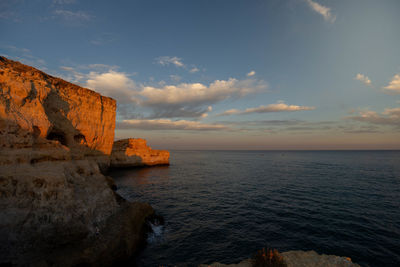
point(392, 112)
point(362, 78)
point(198, 93)
point(277, 107)
point(179, 112)
point(251, 73)
point(175, 78)
point(18, 50)
point(99, 67)
point(230, 112)
point(73, 75)
point(322, 10)
point(209, 109)
point(183, 100)
point(165, 61)
point(177, 62)
point(73, 16)
point(391, 116)
point(24, 55)
point(193, 99)
point(166, 124)
point(394, 85)
point(113, 84)
point(106, 80)
point(193, 70)
point(71, 69)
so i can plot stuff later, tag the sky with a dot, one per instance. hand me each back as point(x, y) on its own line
point(225, 74)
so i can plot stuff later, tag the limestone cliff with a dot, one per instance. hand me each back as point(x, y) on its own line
point(52, 108)
point(56, 207)
point(135, 152)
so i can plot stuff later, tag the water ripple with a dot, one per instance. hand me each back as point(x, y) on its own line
point(222, 206)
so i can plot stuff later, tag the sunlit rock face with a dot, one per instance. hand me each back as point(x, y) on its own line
point(54, 109)
point(56, 207)
point(135, 152)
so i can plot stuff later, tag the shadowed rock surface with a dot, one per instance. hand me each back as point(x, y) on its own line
point(244, 263)
point(313, 259)
point(298, 258)
point(57, 208)
point(134, 152)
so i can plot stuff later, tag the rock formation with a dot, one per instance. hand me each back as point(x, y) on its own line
point(55, 109)
point(57, 208)
point(298, 259)
point(313, 259)
point(135, 152)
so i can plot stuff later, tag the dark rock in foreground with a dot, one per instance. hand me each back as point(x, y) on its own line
point(298, 259)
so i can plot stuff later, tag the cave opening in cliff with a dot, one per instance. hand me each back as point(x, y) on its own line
point(80, 139)
point(57, 136)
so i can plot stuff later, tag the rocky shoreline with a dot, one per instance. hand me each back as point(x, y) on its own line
point(297, 258)
point(58, 208)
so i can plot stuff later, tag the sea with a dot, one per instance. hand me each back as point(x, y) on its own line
point(225, 205)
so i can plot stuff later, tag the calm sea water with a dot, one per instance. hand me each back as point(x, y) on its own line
point(224, 205)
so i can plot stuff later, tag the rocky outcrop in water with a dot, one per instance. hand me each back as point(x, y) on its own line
point(298, 259)
point(56, 206)
point(313, 259)
point(134, 152)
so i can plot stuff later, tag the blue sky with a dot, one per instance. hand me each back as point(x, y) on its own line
point(225, 74)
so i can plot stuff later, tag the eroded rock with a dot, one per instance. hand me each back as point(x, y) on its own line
point(51, 108)
point(313, 259)
point(298, 258)
point(56, 206)
point(134, 152)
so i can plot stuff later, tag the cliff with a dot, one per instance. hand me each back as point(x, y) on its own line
point(135, 152)
point(53, 109)
point(57, 208)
